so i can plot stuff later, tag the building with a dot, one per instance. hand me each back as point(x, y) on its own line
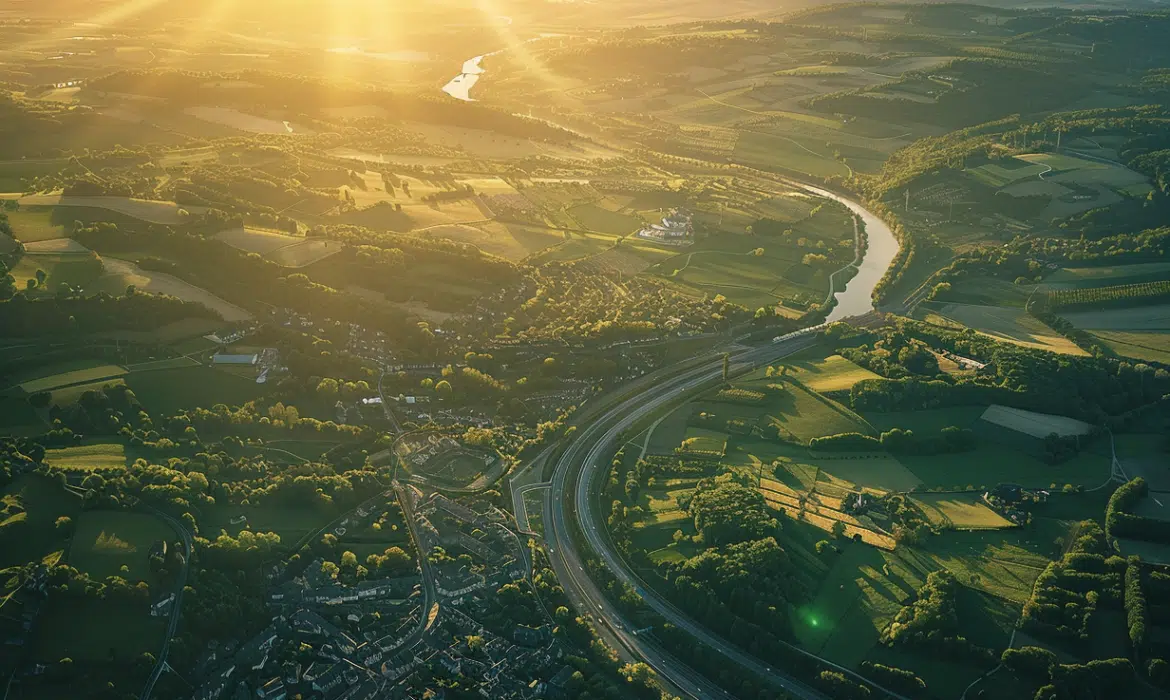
point(226, 359)
point(272, 690)
point(675, 229)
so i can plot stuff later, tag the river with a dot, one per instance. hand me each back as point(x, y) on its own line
point(460, 86)
point(881, 249)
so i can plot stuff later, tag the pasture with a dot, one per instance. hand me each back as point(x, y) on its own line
point(291, 524)
point(927, 421)
point(805, 415)
point(592, 217)
point(1153, 346)
point(962, 511)
point(833, 373)
point(105, 541)
point(95, 456)
point(152, 211)
point(1106, 276)
point(992, 463)
point(1003, 172)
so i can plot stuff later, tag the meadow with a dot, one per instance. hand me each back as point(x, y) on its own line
point(117, 543)
point(87, 372)
point(32, 534)
point(963, 511)
point(167, 391)
point(93, 456)
point(833, 373)
point(1011, 325)
point(96, 629)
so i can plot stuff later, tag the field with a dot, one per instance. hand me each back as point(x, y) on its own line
point(700, 441)
point(70, 378)
point(1142, 318)
point(963, 511)
point(92, 457)
point(594, 218)
point(1004, 172)
point(167, 391)
point(992, 463)
point(1153, 346)
point(1038, 425)
point(155, 212)
point(1106, 276)
point(32, 534)
point(512, 241)
point(35, 224)
point(304, 253)
point(254, 240)
point(926, 422)
point(834, 373)
point(1011, 325)
point(805, 415)
point(456, 467)
point(120, 274)
point(106, 541)
point(291, 524)
point(96, 628)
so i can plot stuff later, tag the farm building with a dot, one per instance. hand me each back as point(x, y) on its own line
point(226, 359)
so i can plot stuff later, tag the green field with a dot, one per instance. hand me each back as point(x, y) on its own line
point(963, 511)
point(834, 373)
point(91, 457)
point(993, 463)
point(594, 218)
point(35, 224)
point(17, 417)
point(1153, 346)
point(805, 415)
point(699, 440)
point(1011, 325)
point(289, 523)
point(1006, 171)
point(1106, 276)
point(167, 391)
point(95, 629)
point(70, 378)
point(105, 541)
point(32, 534)
point(926, 422)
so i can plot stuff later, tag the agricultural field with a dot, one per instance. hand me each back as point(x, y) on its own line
point(35, 224)
point(117, 543)
point(700, 441)
point(961, 511)
point(167, 391)
point(804, 415)
point(1038, 425)
point(120, 274)
point(1011, 325)
point(94, 372)
point(254, 240)
point(96, 628)
point(1142, 319)
point(1105, 276)
point(833, 373)
point(304, 253)
point(1152, 346)
point(151, 211)
point(94, 456)
point(993, 463)
point(291, 524)
point(926, 421)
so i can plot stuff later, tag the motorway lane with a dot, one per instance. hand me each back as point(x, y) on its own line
point(567, 562)
point(176, 606)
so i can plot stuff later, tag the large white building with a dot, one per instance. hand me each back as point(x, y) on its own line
point(675, 229)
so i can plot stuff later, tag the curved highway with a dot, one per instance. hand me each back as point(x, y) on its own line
point(572, 481)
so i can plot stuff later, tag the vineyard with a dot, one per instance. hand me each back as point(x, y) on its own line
point(1120, 295)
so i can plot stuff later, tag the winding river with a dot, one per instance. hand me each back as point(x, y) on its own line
point(881, 249)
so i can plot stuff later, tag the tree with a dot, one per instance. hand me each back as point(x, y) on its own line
point(823, 546)
point(838, 529)
point(65, 524)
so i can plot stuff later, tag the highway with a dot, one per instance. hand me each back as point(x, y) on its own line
point(430, 587)
point(176, 607)
point(570, 493)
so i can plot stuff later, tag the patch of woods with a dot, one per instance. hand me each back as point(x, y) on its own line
point(1120, 521)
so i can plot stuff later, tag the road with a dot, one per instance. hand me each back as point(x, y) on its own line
point(586, 452)
point(430, 588)
point(578, 471)
point(176, 607)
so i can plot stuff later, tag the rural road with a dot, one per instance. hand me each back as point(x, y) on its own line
point(176, 607)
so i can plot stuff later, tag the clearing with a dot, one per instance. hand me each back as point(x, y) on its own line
point(116, 543)
point(97, 456)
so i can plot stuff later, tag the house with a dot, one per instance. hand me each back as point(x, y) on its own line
point(452, 663)
point(532, 636)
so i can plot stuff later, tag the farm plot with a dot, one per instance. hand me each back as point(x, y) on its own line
point(97, 456)
point(55, 245)
point(595, 218)
point(1085, 277)
point(290, 524)
point(304, 253)
point(120, 274)
point(833, 373)
point(246, 122)
point(1004, 172)
point(167, 391)
point(72, 377)
point(116, 543)
point(804, 415)
point(1144, 318)
point(35, 224)
point(152, 211)
point(926, 422)
point(962, 511)
point(1082, 171)
point(1011, 325)
point(97, 629)
point(254, 240)
point(992, 463)
point(706, 442)
point(1038, 425)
